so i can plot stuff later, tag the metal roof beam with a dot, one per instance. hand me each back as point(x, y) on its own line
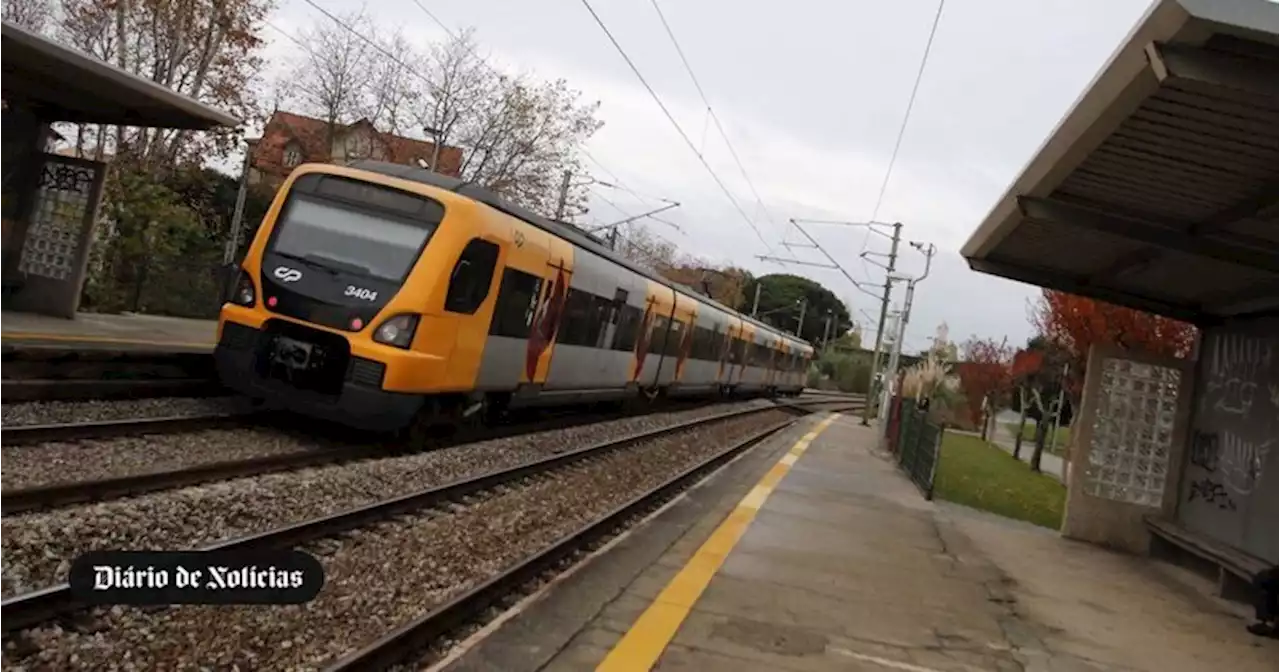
point(1069, 214)
point(1073, 284)
point(1174, 63)
point(1260, 295)
point(1126, 263)
point(1245, 209)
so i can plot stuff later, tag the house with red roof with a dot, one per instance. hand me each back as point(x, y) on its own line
point(292, 139)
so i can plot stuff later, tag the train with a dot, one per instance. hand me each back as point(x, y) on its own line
point(388, 297)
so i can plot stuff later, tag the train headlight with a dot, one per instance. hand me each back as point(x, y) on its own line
point(243, 294)
point(397, 331)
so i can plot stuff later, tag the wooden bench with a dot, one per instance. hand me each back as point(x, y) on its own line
point(9, 287)
point(1235, 568)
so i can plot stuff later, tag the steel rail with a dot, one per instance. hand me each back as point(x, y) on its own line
point(410, 638)
point(51, 495)
point(20, 435)
point(24, 611)
point(106, 389)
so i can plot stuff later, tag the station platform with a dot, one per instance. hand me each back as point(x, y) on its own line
point(93, 331)
point(813, 552)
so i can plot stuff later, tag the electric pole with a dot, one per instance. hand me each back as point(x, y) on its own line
point(564, 195)
point(900, 336)
point(884, 309)
point(804, 305)
point(826, 333)
point(755, 305)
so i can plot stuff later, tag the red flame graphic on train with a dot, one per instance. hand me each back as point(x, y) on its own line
point(642, 340)
point(545, 322)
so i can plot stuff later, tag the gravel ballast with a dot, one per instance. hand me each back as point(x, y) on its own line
point(383, 575)
point(38, 547)
point(88, 460)
point(98, 410)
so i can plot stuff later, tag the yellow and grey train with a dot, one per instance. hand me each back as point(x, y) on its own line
point(380, 295)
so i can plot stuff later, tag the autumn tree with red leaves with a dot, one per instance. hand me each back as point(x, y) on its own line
point(984, 375)
point(1076, 323)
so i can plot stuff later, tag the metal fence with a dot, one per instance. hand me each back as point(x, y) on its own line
point(915, 442)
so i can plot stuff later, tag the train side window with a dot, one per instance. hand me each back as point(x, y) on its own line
point(624, 337)
point(599, 317)
point(472, 274)
point(711, 343)
point(575, 325)
point(619, 302)
point(658, 335)
point(675, 338)
point(517, 301)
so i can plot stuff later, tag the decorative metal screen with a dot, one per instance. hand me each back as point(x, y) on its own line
point(1132, 432)
point(64, 196)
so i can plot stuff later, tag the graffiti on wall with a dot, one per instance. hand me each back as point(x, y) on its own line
point(1233, 363)
point(1211, 492)
point(1233, 433)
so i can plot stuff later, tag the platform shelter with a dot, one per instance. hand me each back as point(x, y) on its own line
point(51, 201)
point(1157, 191)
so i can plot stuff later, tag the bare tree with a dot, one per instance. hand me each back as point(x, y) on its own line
point(391, 85)
point(524, 138)
point(518, 135)
point(34, 15)
point(333, 77)
point(457, 85)
point(204, 49)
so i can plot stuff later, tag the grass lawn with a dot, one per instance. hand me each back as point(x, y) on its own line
point(973, 473)
point(1029, 434)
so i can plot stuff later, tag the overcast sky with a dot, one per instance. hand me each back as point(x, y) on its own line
point(811, 93)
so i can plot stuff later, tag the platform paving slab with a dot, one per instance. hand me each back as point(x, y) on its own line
point(847, 567)
point(94, 331)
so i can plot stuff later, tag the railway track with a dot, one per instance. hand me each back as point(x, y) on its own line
point(39, 373)
point(344, 446)
point(55, 602)
point(23, 435)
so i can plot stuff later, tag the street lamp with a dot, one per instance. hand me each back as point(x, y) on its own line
point(435, 134)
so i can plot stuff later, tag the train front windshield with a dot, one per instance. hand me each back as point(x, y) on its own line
point(354, 227)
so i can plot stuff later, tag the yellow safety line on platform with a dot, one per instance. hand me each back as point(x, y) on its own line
point(34, 336)
point(648, 637)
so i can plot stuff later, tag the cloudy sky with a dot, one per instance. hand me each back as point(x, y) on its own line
point(811, 94)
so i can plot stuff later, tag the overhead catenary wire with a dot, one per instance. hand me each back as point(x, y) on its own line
point(483, 61)
point(452, 35)
point(906, 117)
point(902, 130)
point(684, 136)
point(711, 114)
point(372, 43)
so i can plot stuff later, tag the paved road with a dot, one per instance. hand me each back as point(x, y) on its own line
point(1050, 464)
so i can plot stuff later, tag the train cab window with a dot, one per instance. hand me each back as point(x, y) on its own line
point(517, 301)
point(472, 274)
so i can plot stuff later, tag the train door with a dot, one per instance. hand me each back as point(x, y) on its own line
point(654, 331)
point(771, 372)
point(551, 303)
point(675, 351)
point(724, 374)
point(743, 350)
